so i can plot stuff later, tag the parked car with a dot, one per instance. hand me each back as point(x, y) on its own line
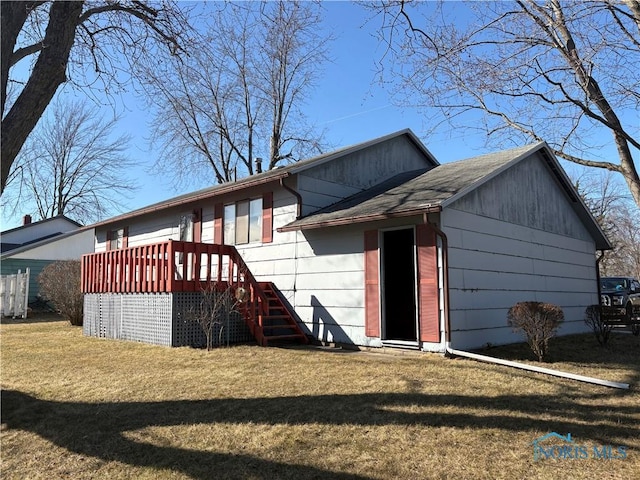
point(620, 302)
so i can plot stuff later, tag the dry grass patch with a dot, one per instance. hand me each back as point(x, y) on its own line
point(76, 407)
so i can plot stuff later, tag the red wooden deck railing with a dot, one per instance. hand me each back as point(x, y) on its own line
point(174, 266)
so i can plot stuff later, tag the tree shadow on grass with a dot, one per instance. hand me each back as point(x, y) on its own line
point(98, 429)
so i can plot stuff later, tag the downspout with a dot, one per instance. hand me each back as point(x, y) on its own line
point(598, 260)
point(296, 194)
point(533, 368)
point(484, 358)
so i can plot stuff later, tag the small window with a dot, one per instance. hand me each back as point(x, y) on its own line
point(243, 222)
point(115, 238)
point(230, 224)
point(186, 228)
point(255, 220)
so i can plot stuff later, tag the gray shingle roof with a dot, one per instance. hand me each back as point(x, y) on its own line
point(415, 192)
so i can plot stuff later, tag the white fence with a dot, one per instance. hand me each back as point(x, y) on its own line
point(14, 294)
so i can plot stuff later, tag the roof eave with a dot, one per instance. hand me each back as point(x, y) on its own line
point(40, 222)
point(359, 219)
point(185, 200)
point(46, 241)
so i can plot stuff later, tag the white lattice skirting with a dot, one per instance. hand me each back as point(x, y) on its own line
point(157, 319)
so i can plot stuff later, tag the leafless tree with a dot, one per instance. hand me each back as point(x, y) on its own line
point(60, 284)
point(563, 72)
point(538, 321)
point(87, 42)
point(600, 328)
point(212, 313)
point(618, 217)
point(624, 259)
point(238, 96)
point(72, 164)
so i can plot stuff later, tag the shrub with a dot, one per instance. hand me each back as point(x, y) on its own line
point(538, 321)
point(60, 284)
point(593, 318)
point(213, 310)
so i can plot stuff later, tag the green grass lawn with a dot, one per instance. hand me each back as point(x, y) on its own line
point(82, 408)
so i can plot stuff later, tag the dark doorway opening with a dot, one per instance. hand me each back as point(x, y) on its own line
point(399, 285)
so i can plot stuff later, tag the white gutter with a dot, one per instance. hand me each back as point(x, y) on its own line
point(533, 368)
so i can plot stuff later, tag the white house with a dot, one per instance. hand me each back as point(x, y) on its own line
point(34, 245)
point(30, 232)
point(379, 245)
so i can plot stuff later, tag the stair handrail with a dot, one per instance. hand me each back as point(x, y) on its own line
point(257, 298)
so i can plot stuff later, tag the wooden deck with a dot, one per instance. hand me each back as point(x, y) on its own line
point(174, 266)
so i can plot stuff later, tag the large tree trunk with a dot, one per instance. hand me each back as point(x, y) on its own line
point(14, 14)
point(48, 74)
point(628, 170)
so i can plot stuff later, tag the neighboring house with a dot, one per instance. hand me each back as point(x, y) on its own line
point(379, 245)
point(35, 245)
point(30, 232)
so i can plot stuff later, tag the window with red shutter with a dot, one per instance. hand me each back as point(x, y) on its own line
point(267, 217)
point(244, 221)
point(218, 210)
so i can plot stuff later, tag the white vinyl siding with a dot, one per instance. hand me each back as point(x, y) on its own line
point(494, 264)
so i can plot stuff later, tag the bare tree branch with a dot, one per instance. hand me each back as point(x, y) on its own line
point(74, 166)
point(111, 33)
point(570, 79)
point(239, 92)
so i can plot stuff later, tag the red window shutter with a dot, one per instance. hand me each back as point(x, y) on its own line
point(218, 212)
point(108, 240)
point(197, 225)
point(125, 237)
point(428, 284)
point(371, 284)
point(267, 217)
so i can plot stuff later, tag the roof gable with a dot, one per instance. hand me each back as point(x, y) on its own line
point(342, 152)
point(35, 225)
point(70, 242)
point(528, 193)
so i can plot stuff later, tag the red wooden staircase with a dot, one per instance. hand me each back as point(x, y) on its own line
point(278, 322)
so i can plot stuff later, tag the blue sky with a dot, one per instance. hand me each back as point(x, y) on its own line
point(348, 104)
